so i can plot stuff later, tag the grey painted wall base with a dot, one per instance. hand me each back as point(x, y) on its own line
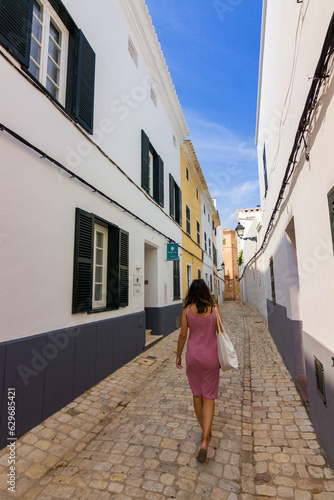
point(164, 320)
point(49, 370)
point(288, 337)
point(322, 415)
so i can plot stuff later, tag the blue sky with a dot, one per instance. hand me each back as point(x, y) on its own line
point(212, 52)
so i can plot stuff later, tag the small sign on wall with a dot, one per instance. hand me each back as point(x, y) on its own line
point(137, 285)
point(172, 251)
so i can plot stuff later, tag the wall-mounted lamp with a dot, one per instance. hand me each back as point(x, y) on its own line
point(222, 267)
point(240, 232)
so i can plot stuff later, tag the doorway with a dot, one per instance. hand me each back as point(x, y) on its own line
point(292, 278)
point(151, 290)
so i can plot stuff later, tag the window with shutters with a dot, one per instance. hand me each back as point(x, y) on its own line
point(101, 265)
point(188, 222)
point(209, 247)
point(199, 273)
point(198, 231)
point(48, 50)
point(45, 40)
point(152, 170)
point(176, 280)
point(175, 200)
point(205, 242)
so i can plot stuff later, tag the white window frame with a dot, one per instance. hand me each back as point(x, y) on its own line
point(209, 247)
point(199, 273)
point(48, 14)
point(198, 231)
point(101, 304)
point(205, 243)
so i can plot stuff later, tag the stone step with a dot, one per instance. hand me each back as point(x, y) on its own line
point(151, 339)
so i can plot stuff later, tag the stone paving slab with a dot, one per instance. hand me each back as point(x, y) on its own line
point(134, 435)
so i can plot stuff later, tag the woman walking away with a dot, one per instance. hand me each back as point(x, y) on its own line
point(202, 363)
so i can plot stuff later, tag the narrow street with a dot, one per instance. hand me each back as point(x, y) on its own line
point(134, 435)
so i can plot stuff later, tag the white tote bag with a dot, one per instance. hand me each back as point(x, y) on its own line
point(226, 353)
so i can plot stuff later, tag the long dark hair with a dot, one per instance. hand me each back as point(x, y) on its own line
point(200, 295)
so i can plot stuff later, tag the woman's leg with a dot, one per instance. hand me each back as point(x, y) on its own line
point(208, 412)
point(198, 407)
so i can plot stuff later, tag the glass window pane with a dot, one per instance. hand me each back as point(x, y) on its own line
point(52, 88)
point(98, 292)
point(34, 70)
point(53, 71)
point(54, 52)
point(35, 51)
point(55, 33)
point(36, 29)
point(38, 10)
point(99, 240)
point(98, 274)
point(99, 257)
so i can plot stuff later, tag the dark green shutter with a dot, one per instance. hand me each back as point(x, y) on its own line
point(145, 160)
point(158, 180)
point(84, 102)
point(123, 268)
point(171, 196)
point(161, 182)
point(156, 177)
point(180, 206)
point(176, 280)
point(83, 262)
point(15, 28)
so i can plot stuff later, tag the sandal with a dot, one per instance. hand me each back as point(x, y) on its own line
point(202, 454)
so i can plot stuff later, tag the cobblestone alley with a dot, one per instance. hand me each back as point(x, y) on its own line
point(135, 435)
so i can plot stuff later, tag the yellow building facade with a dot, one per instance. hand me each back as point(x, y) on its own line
point(192, 183)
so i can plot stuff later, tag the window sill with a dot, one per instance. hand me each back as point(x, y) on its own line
point(105, 309)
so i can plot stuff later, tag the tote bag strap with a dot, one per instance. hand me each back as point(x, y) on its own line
point(220, 327)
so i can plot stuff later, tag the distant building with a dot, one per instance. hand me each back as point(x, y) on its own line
point(252, 288)
point(191, 185)
point(230, 249)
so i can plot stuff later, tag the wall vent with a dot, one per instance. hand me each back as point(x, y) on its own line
point(320, 377)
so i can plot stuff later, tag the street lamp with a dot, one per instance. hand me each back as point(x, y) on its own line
point(240, 232)
point(223, 267)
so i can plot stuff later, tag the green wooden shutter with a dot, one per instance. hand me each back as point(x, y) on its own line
point(15, 28)
point(84, 102)
point(145, 160)
point(171, 196)
point(158, 180)
point(83, 262)
point(123, 268)
point(180, 207)
point(161, 182)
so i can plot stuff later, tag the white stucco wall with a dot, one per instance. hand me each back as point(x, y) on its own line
point(38, 200)
point(294, 37)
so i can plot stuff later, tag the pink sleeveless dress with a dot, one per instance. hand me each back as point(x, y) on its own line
point(202, 363)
